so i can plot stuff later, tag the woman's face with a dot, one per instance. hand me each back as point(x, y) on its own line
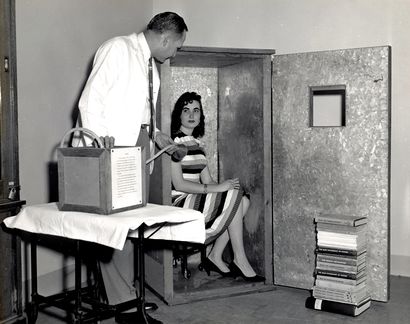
point(191, 115)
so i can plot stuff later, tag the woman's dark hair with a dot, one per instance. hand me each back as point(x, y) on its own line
point(167, 21)
point(183, 100)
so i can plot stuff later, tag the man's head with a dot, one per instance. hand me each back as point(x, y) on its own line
point(165, 33)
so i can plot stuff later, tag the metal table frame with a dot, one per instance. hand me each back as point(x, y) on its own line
point(81, 303)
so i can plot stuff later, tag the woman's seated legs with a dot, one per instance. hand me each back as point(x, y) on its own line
point(235, 234)
point(235, 231)
point(218, 248)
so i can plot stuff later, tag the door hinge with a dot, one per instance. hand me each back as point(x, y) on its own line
point(6, 64)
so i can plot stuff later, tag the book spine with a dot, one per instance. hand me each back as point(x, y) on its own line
point(337, 307)
point(354, 296)
point(338, 274)
point(330, 234)
point(324, 249)
point(337, 299)
point(323, 305)
point(341, 229)
point(338, 261)
point(351, 282)
point(342, 258)
point(339, 245)
point(340, 239)
point(334, 220)
point(339, 285)
point(339, 267)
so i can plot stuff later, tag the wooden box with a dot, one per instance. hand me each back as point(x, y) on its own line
point(100, 180)
point(235, 85)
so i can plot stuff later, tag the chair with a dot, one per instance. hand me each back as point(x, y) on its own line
point(181, 252)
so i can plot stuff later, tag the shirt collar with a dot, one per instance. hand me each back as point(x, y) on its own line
point(146, 52)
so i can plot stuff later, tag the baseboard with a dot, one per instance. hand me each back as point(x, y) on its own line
point(400, 265)
point(15, 320)
point(55, 281)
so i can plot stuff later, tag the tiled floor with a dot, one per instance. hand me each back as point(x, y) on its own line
point(280, 306)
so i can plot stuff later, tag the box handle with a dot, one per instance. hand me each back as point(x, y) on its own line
point(84, 130)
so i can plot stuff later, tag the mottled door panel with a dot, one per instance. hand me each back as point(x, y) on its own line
point(330, 169)
point(241, 146)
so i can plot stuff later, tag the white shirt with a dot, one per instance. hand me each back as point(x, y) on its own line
point(115, 100)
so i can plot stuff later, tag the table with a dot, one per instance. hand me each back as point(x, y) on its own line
point(152, 221)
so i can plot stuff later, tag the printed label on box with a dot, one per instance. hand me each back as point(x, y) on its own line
point(126, 177)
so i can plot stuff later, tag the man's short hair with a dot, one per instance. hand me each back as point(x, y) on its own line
point(167, 21)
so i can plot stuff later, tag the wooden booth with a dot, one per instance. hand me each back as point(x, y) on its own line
point(263, 126)
point(235, 86)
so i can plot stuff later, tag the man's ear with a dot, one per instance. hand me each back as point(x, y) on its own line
point(165, 40)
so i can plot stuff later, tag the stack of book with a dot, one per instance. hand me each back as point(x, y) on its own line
point(341, 275)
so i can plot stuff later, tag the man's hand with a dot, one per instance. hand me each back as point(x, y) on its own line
point(108, 141)
point(164, 140)
point(177, 151)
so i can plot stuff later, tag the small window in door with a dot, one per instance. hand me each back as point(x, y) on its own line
point(328, 106)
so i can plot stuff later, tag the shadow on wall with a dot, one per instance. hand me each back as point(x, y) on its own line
point(52, 168)
point(52, 181)
point(61, 278)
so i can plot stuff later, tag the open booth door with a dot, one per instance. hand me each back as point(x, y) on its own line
point(330, 168)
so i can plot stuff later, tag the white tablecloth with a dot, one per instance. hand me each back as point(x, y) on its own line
point(111, 230)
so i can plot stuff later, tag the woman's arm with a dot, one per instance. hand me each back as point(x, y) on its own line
point(206, 176)
point(183, 185)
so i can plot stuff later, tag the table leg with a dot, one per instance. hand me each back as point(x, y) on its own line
point(77, 283)
point(140, 316)
point(32, 306)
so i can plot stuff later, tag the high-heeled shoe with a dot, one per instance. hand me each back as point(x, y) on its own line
point(236, 272)
point(209, 266)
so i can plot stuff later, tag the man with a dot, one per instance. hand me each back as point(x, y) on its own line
point(116, 105)
point(116, 101)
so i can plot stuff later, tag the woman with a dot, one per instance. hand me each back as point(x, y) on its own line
point(223, 205)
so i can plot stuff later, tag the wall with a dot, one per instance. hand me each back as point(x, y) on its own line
point(294, 26)
point(56, 41)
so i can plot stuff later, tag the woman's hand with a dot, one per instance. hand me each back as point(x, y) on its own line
point(230, 184)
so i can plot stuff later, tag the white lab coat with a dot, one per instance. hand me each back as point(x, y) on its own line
point(115, 100)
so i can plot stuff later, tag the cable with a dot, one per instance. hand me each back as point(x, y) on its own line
point(159, 153)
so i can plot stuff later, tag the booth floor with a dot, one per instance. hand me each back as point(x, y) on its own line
point(282, 305)
point(201, 286)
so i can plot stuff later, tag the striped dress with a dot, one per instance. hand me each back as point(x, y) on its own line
point(219, 208)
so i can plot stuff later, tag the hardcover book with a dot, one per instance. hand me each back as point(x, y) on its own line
point(339, 285)
point(346, 281)
point(339, 245)
point(340, 251)
point(339, 299)
point(340, 267)
point(342, 237)
point(342, 260)
point(341, 219)
point(342, 229)
point(336, 307)
point(355, 297)
point(342, 274)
